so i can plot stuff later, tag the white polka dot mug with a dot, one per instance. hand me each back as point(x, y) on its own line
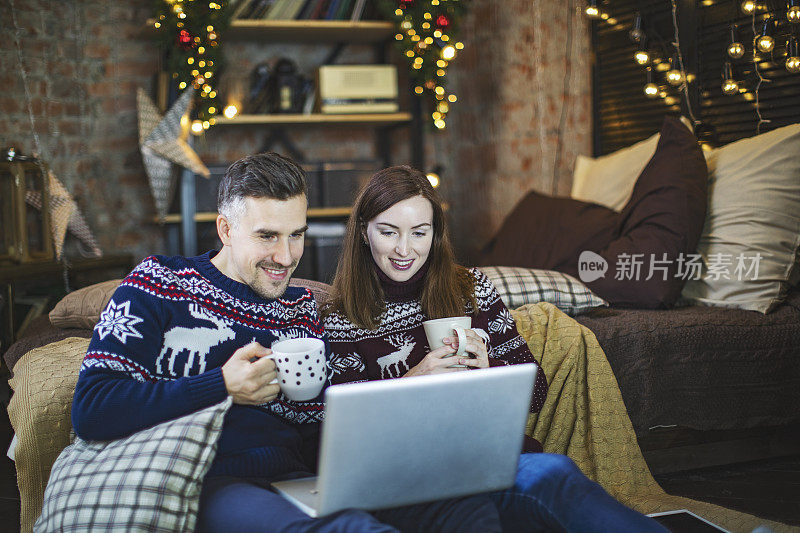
point(301, 367)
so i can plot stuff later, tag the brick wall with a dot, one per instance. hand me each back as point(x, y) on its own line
point(85, 59)
point(505, 130)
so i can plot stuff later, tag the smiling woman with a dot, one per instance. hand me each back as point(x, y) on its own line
point(400, 238)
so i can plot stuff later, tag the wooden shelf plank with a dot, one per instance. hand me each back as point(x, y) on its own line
point(313, 212)
point(316, 119)
point(305, 31)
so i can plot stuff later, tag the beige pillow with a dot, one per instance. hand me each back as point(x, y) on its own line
point(44, 383)
point(82, 308)
point(754, 208)
point(608, 180)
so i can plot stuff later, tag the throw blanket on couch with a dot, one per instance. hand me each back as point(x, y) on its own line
point(584, 417)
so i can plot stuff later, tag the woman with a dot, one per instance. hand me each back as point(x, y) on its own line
point(397, 269)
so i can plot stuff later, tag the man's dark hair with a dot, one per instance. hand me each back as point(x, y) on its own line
point(266, 175)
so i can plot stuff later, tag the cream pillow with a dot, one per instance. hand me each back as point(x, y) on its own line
point(754, 208)
point(609, 180)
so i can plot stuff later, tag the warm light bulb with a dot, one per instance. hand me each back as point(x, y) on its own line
point(592, 12)
point(674, 77)
point(642, 57)
point(793, 14)
point(439, 124)
point(433, 177)
point(748, 6)
point(230, 111)
point(793, 64)
point(766, 43)
point(730, 87)
point(448, 52)
point(651, 90)
point(197, 127)
point(735, 50)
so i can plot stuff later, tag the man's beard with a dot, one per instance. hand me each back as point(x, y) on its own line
point(269, 289)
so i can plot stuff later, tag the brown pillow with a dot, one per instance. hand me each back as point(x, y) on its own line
point(665, 215)
point(82, 308)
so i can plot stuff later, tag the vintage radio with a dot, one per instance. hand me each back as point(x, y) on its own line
point(24, 212)
point(357, 89)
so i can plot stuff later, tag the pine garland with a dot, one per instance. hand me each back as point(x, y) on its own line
point(189, 31)
point(426, 35)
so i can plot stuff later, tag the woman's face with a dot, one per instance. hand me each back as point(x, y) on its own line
point(400, 238)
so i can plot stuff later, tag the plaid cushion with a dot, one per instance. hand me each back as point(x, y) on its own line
point(519, 286)
point(149, 481)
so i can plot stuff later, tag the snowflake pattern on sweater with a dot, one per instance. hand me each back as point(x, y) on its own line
point(163, 323)
point(399, 343)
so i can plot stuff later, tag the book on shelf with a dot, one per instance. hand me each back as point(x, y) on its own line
point(332, 8)
point(344, 9)
point(307, 10)
point(358, 10)
point(275, 11)
point(319, 11)
point(293, 9)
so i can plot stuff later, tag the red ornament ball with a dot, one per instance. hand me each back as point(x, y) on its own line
point(442, 21)
point(185, 39)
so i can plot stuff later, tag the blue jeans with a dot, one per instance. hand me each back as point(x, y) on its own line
point(243, 505)
point(552, 494)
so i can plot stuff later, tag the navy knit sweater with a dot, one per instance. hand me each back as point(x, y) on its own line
point(157, 354)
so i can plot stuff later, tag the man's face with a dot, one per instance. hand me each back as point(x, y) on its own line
point(264, 244)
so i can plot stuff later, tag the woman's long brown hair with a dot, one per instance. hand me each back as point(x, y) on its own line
point(357, 292)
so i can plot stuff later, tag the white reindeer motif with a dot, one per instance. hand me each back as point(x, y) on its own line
point(195, 341)
point(404, 345)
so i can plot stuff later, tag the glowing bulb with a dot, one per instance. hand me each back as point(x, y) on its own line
point(418, 89)
point(197, 127)
point(766, 43)
point(793, 56)
point(651, 90)
point(735, 50)
point(439, 124)
point(448, 53)
point(182, 85)
point(748, 6)
point(730, 87)
point(230, 111)
point(642, 57)
point(674, 77)
point(592, 12)
point(433, 178)
point(452, 98)
point(793, 11)
point(212, 110)
point(793, 64)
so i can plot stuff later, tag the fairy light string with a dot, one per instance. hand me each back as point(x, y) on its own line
point(426, 35)
point(190, 31)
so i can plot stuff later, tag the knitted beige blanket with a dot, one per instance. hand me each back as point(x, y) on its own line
point(584, 418)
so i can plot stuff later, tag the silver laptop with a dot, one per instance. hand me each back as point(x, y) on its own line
point(412, 440)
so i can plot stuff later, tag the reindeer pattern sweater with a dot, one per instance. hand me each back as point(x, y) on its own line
point(399, 343)
point(157, 354)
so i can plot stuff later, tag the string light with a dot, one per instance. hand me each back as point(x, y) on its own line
point(761, 79)
point(591, 9)
point(735, 49)
point(636, 34)
point(729, 85)
point(793, 11)
point(765, 41)
point(650, 89)
point(674, 75)
point(749, 7)
point(642, 56)
point(792, 56)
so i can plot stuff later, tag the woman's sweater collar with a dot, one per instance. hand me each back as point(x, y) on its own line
point(400, 291)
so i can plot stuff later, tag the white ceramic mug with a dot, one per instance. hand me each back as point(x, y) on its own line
point(439, 328)
point(300, 364)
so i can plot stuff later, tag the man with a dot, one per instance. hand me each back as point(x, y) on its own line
point(181, 334)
